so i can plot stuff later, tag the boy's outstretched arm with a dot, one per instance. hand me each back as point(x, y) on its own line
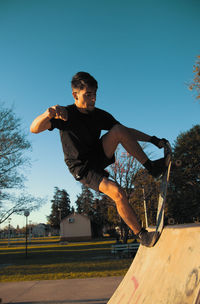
point(42, 122)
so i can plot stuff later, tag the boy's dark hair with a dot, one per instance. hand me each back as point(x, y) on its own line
point(82, 79)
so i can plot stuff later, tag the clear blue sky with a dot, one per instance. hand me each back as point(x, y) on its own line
point(141, 52)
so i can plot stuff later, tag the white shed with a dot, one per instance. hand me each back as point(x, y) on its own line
point(39, 230)
point(75, 227)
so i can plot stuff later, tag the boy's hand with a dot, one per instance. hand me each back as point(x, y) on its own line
point(158, 142)
point(57, 112)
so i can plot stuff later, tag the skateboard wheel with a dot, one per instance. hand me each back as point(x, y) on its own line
point(171, 221)
point(178, 163)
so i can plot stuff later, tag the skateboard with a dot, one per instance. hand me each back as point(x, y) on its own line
point(163, 191)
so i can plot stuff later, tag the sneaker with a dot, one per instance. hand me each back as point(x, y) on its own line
point(146, 238)
point(158, 167)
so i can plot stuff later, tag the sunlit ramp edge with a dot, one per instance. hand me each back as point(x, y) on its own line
point(168, 273)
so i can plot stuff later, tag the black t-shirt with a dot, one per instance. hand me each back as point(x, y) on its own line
point(80, 133)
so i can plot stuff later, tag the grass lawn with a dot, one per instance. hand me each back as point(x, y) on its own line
point(52, 261)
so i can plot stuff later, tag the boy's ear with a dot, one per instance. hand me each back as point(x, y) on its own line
point(74, 95)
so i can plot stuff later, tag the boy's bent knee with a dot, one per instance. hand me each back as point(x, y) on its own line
point(118, 130)
point(119, 195)
point(112, 189)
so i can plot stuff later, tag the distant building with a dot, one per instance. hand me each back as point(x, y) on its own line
point(39, 230)
point(75, 227)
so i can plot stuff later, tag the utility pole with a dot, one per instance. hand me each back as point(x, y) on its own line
point(9, 220)
point(59, 210)
point(145, 207)
point(26, 214)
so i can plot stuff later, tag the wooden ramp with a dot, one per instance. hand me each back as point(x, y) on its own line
point(168, 273)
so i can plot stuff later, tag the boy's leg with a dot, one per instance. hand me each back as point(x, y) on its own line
point(117, 194)
point(129, 138)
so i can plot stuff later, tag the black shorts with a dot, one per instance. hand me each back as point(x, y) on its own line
point(95, 172)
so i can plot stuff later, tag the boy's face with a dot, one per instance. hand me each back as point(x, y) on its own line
point(85, 99)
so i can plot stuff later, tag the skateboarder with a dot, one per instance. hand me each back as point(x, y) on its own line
point(87, 155)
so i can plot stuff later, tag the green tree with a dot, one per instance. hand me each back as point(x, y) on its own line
point(100, 214)
point(85, 201)
point(60, 207)
point(184, 191)
point(95, 208)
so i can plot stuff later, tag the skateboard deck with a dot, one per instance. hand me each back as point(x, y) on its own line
point(163, 191)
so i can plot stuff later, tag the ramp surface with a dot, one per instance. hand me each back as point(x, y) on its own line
point(168, 273)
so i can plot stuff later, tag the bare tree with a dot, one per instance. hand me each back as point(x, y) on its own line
point(195, 84)
point(146, 191)
point(123, 171)
point(13, 159)
point(13, 144)
point(18, 204)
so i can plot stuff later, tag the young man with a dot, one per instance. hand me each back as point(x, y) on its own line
point(87, 155)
